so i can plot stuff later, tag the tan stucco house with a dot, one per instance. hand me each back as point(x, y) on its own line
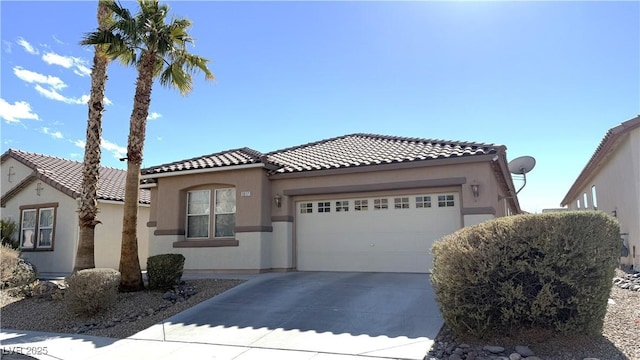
point(611, 182)
point(39, 193)
point(358, 202)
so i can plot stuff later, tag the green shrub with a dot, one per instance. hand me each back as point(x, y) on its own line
point(548, 271)
point(16, 272)
point(91, 291)
point(7, 230)
point(164, 271)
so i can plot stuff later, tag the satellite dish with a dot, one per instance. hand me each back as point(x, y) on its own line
point(521, 166)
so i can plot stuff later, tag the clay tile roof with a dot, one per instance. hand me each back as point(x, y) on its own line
point(66, 176)
point(242, 156)
point(370, 149)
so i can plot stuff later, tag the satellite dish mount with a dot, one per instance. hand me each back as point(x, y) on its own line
point(521, 166)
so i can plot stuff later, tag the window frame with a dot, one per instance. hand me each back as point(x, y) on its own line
point(361, 205)
point(401, 202)
point(446, 200)
point(38, 209)
point(423, 202)
point(306, 208)
point(381, 204)
point(208, 214)
point(216, 213)
point(342, 205)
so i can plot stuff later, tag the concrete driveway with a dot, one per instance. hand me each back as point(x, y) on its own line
point(313, 315)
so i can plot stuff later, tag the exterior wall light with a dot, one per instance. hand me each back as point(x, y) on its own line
point(475, 189)
point(278, 200)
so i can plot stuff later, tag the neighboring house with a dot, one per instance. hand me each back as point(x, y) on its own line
point(611, 182)
point(39, 193)
point(358, 202)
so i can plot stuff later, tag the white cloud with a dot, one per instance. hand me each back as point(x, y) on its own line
point(79, 143)
point(55, 38)
point(7, 46)
point(27, 47)
point(159, 138)
point(117, 151)
point(67, 62)
point(53, 134)
point(54, 95)
point(16, 112)
point(85, 99)
point(153, 116)
point(34, 77)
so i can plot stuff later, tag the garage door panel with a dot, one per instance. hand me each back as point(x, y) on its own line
point(390, 240)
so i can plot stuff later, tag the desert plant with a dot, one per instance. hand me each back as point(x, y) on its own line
point(8, 229)
point(16, 272)
point(164, 271)
point(91, 291)
point(547, 271)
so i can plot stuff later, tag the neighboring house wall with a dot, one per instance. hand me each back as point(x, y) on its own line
point(617, 191)
point(61, 258)
point(108, 235)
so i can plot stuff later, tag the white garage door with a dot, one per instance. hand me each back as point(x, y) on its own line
point(373, 234)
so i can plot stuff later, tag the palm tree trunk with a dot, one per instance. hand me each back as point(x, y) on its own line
point(131, 275)
point(88, 211)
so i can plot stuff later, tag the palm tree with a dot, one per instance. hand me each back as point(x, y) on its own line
point(87, 214)
point(158, 50)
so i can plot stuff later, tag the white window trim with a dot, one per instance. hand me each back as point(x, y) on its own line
point(37, 209)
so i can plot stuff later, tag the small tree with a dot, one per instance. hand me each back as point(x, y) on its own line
point(8, 228)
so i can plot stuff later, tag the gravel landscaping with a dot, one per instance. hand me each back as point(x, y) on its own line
point(132, 313)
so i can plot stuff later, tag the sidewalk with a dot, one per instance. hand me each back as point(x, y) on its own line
point(40, 345)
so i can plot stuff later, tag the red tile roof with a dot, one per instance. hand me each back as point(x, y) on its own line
point(370, 149)
point(242, 156)
point(66, 176)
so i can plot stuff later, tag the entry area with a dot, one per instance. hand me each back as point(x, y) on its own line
point(374, 233)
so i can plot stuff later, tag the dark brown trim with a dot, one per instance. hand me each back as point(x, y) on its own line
point(152, 223)
point(169, 232)
point(256, 228)
point(400, 185)
point(479, 210)
point(282, 218)
point(35, 206)
point(205, 243)
point(385, 167)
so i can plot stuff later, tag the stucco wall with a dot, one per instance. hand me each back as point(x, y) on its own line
point(18, 170)
point(273, 245)
point(617, 184)
point(61, 259)
point(108, 235)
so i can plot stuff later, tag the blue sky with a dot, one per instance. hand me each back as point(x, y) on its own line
point(546, 79)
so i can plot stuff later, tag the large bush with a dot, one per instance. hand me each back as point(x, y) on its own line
point(91, 291)
point(14, 270)
point(550, 271)
point(164, 271)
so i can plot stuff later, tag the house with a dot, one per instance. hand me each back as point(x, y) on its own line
point(39, 193)
point(358, 202)
point(611, 182)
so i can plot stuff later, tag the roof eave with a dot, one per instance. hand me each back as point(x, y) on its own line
point(201, 171)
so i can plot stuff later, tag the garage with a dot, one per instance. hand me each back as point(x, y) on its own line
point(374, 234)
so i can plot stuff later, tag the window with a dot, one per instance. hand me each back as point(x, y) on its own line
point(225, 213)
point(445, 201)
point(306, 208)
point(324, 207)
point(594, 197)
point(423, 201)
point(198, 208)
point(380, 204)
point(199, 213)
point(578, 204)
point(585, 201)
point(342, 205)
point(401, 203)
point(361, 205)
point(37, 226)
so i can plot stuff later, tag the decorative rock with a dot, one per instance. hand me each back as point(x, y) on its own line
point(590, 359)
point(515, 356)
point(532, 358)
point(493, 349)
point(524, 351)
point(454, 357)
point(45, 289)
